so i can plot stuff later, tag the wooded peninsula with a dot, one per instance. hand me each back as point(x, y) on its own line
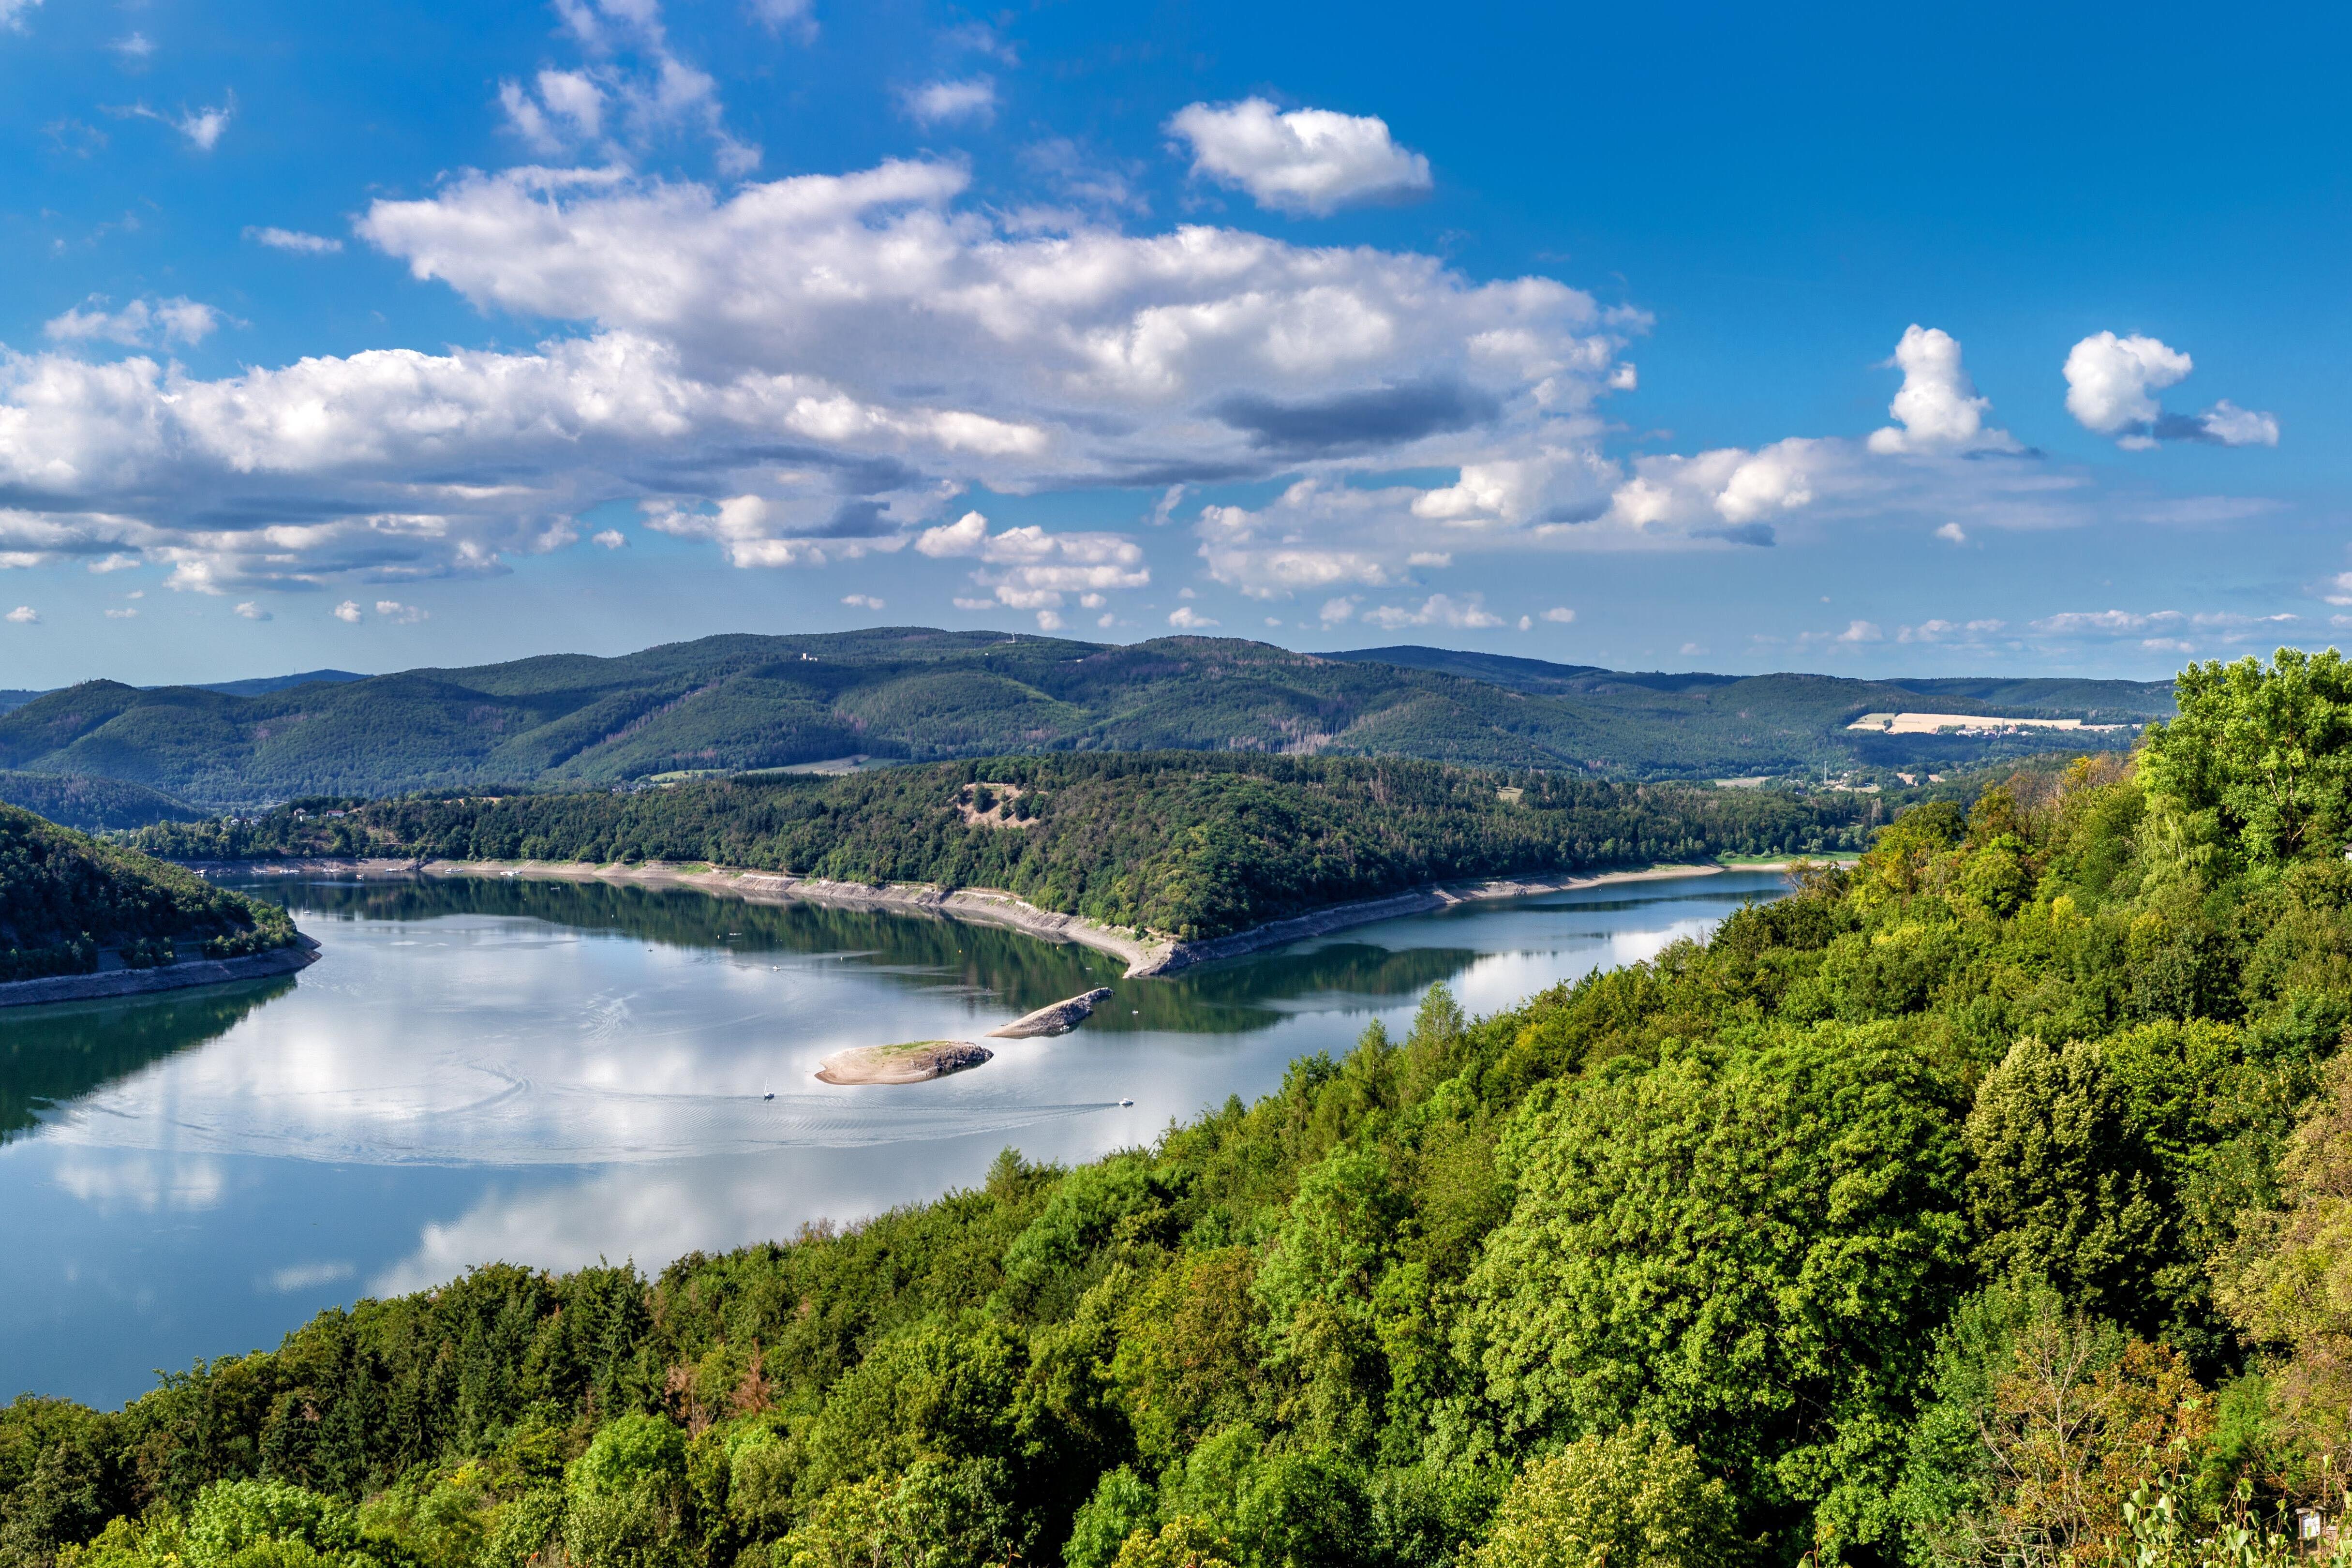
point(1188, 844)
point(66, 901)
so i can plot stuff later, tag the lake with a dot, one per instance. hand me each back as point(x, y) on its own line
point(552, 1073)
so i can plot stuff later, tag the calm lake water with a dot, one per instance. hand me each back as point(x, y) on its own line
point(550, 1073)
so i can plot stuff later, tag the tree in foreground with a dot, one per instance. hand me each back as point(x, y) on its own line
point(1634, 1498)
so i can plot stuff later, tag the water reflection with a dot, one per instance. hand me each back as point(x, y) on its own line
point(548, 1072)
point(991, 960)
point(48, 1055)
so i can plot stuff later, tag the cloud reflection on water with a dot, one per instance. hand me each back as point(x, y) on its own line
point(549, 1075)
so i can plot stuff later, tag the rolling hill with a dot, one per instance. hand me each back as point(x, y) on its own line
point(734, 702)
point(92, 804)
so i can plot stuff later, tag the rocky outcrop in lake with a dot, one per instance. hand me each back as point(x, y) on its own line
point(1058, 1019)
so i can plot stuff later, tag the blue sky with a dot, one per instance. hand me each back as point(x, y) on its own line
point(1686, 337)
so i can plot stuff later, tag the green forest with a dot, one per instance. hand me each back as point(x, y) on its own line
point(65, 897)
point(1989, 1201)
point(1190, 844)
point(92, 804)
point(724, 704)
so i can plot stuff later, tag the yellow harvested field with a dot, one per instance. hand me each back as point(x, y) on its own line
point(1964, 724)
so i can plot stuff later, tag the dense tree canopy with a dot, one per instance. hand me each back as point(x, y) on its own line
point(64, 898)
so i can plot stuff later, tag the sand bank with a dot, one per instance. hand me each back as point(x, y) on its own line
point(912, 1063)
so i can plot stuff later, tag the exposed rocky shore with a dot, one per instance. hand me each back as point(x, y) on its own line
point(1144, 954)
point(1058, 1019)
point(109, 982)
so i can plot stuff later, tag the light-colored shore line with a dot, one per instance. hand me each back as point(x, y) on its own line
point(112, 983)
point(1145, 954)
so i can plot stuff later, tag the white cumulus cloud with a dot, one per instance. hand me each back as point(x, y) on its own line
point(1309, 160)
point(23, 615)
point(252, 611)
point(1185, 618)
point(1030, 569)
point(348, 612)
point(861, 601)
point(812, 370)
point(1937, 406)
point(1730, 494)
point(2111, 383)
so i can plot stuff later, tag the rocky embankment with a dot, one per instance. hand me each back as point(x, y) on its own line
point(1058, 1019)
point(109, 982)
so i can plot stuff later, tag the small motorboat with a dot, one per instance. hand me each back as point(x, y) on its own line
point(1126, 1102)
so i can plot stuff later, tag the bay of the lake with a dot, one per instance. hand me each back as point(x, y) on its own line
point(552, 1073)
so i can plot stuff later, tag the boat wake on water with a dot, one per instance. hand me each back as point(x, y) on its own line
point(520, 1122)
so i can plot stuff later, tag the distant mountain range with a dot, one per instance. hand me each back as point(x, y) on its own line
point(256, 687)
point(738, 703)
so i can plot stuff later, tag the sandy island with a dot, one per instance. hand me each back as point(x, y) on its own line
point(1145, 953)
point(913, 1062)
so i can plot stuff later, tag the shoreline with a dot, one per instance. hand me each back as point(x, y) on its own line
point(1144, 955)
point(181, 976)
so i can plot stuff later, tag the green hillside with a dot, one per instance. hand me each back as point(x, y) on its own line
point(736, 702)
point(1983, 1204)
point(93, 805)
point(66, 898)
point(1188, 844)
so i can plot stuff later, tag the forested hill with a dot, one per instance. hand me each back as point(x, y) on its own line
point(77, 800)
point(1189, 844)
point(728, 704)
point(66, 900)
point(1985, 1204)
